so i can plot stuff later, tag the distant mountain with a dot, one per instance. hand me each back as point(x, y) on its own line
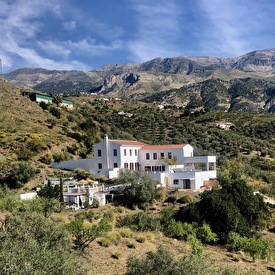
point(159, 75)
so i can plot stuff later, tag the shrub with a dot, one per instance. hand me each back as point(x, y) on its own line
point(140, 187)
point(24, 154)
point(83, 235)
point(141, 238)
point(43, 105)
point(52, 123)
point(46, 158)
point(32, 244)
point(167, 214)
point(95, 203)
point(206, 235)
point(106, 242)
point(126, 233)
point(160, 194)
point(120, 209)
point(256, 247)
point(232, 208)
point(149, 236)
point(185, 199)
point(195, 244)
point(178, 230)
point(173, 229)
point(55, 112)
point(9, 203)
point(234, 241)
point(131, 244)
point(117, 255)
point(61, 156)
point(114, 237)
point(49, 191)
point(21, 172)
point(165, 263)
point(141, 222)
point(109, 216)
point(171, 199)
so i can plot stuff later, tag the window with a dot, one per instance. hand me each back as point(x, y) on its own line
point(100, 166)
point(136, 166)
point(131, 166)
point(147, 156)
point(125, 152)
point(115, 165)
point(99, 153)
point(115, 152)
point(155, 156)
point(162, 155)
point(147, 168)
point(130, 151)
point(135, 152)
point(176, 182)
point(169, 155)
point(126, 165)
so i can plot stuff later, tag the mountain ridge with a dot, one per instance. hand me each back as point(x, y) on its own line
point(154, 76)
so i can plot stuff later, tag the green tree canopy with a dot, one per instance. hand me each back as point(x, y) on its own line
point(139, 187)
point(49, 191)
point(32, 244)
point(20, 173)
point(232, 208)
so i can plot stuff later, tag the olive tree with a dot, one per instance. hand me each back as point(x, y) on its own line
point(32, 244)
point(139, 187)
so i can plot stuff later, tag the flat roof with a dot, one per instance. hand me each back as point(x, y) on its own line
point(67, 101)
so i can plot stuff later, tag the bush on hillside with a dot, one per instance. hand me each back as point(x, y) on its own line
point(20, 173)
point(32, 244)
point(141, 222)
point(163, 262)
point(139, 187)
point(232, 208)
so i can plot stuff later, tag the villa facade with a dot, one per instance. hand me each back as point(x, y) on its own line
point(172, 165)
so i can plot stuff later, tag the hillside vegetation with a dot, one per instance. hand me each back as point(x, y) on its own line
point(41, 134)
point(150, 229)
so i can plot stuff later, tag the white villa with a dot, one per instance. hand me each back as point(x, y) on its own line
point(76, 193)
point(189, 172)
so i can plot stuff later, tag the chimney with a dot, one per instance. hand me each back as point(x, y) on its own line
point(106, 151)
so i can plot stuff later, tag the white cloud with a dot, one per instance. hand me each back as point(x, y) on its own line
point(19, 24)
point(235, 27)
point(91, 46)
point(158, 29)
point(69, 25)
point(23, 24)
point(54, 48)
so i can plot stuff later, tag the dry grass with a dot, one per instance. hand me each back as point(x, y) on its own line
point(101, 260)
point(123, 243)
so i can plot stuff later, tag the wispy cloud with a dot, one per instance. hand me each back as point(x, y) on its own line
point(21, 43)
point(91, 46)
point(54, 48)
point(234, 27)
point(19, 24)
point(69, 25)
point(158, 29)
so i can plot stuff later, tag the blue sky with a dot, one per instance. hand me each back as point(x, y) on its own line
point(86, 34)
